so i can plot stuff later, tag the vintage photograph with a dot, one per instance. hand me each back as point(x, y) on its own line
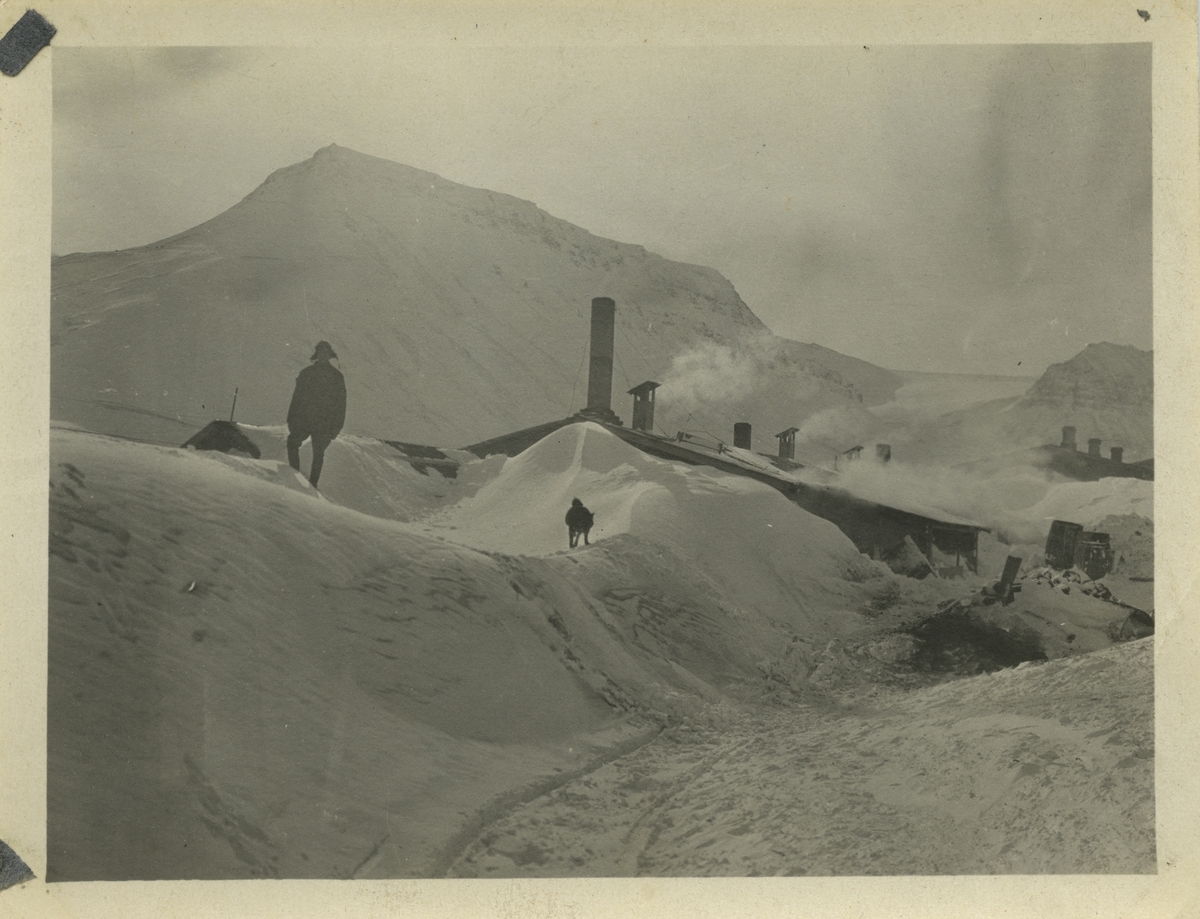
point(601, 462)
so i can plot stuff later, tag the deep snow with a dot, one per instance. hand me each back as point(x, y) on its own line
point(266, 683)
point(1027, 771)
point(249, 678)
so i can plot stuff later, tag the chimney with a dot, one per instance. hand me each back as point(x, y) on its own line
point(787, 443)
point(599, 400)
point(1068, 440)
point(741, 435)
point(643, 405)
point(1094, 446)
point(883, 452)
point(1118, 454)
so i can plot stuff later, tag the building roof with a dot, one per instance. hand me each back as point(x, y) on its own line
point(642, 388)
point(766, 468)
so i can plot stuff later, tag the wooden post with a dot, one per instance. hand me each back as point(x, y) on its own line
point(1011, 567)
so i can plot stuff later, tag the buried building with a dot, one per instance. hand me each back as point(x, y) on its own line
point(1066, 459)
point(223, 437)
point(886, 532)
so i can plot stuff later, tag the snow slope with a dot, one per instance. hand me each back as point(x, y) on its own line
point(250, 680)
point(376, 478)
point(1088, 503)
point(247, 680)
point(1028, 771)
point(743, 540)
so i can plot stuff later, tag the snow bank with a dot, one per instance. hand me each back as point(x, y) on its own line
point(521, 510)
point(375, 478)
point(297, 689)
point(1087, 503)
point(745, 539)
point(279, 683)
point(1017, 503)
point(1041, 770)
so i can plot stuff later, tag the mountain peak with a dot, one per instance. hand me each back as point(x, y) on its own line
point(1102, 374)
point(339, 154)
point(459, 313)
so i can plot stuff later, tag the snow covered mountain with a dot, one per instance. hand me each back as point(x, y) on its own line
point(1102, 377)
point(458, 314)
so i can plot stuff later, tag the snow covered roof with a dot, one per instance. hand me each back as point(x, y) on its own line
point(937, 515)
point(737, 460)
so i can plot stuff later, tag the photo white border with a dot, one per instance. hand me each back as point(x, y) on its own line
point(25, 176)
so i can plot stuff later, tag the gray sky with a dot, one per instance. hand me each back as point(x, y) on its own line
point(958, 208)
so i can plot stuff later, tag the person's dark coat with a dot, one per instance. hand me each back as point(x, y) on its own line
point(579, 518)
point(579, 523)
point(318, 406)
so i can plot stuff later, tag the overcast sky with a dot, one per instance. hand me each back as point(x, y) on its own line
point(976, 209)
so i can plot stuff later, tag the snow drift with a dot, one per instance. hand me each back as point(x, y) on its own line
point(249, 680)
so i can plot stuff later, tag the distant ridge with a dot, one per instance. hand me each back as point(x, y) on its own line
point(458, 314)
point(1102, 376)
point(1105, 392)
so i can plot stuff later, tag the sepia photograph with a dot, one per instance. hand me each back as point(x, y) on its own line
point(606, 460)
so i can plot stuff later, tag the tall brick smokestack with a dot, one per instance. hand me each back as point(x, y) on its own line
point(741, 435)
point(600, 366)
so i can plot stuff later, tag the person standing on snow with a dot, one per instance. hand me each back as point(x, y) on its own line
point(579, 521)
point(318, 409)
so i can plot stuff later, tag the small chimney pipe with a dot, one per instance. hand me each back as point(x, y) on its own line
point(1118, 454)
point(1094, 446)
point(1068, 440)
point(643, 406)
point(741, 435)
point(787, 443)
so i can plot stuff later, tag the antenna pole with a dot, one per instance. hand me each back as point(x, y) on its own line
point(234, 408)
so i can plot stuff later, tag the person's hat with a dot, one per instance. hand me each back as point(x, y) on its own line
point(323, 351)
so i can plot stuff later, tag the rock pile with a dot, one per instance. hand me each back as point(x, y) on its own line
point(1135, 624)
point(1068, 580)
